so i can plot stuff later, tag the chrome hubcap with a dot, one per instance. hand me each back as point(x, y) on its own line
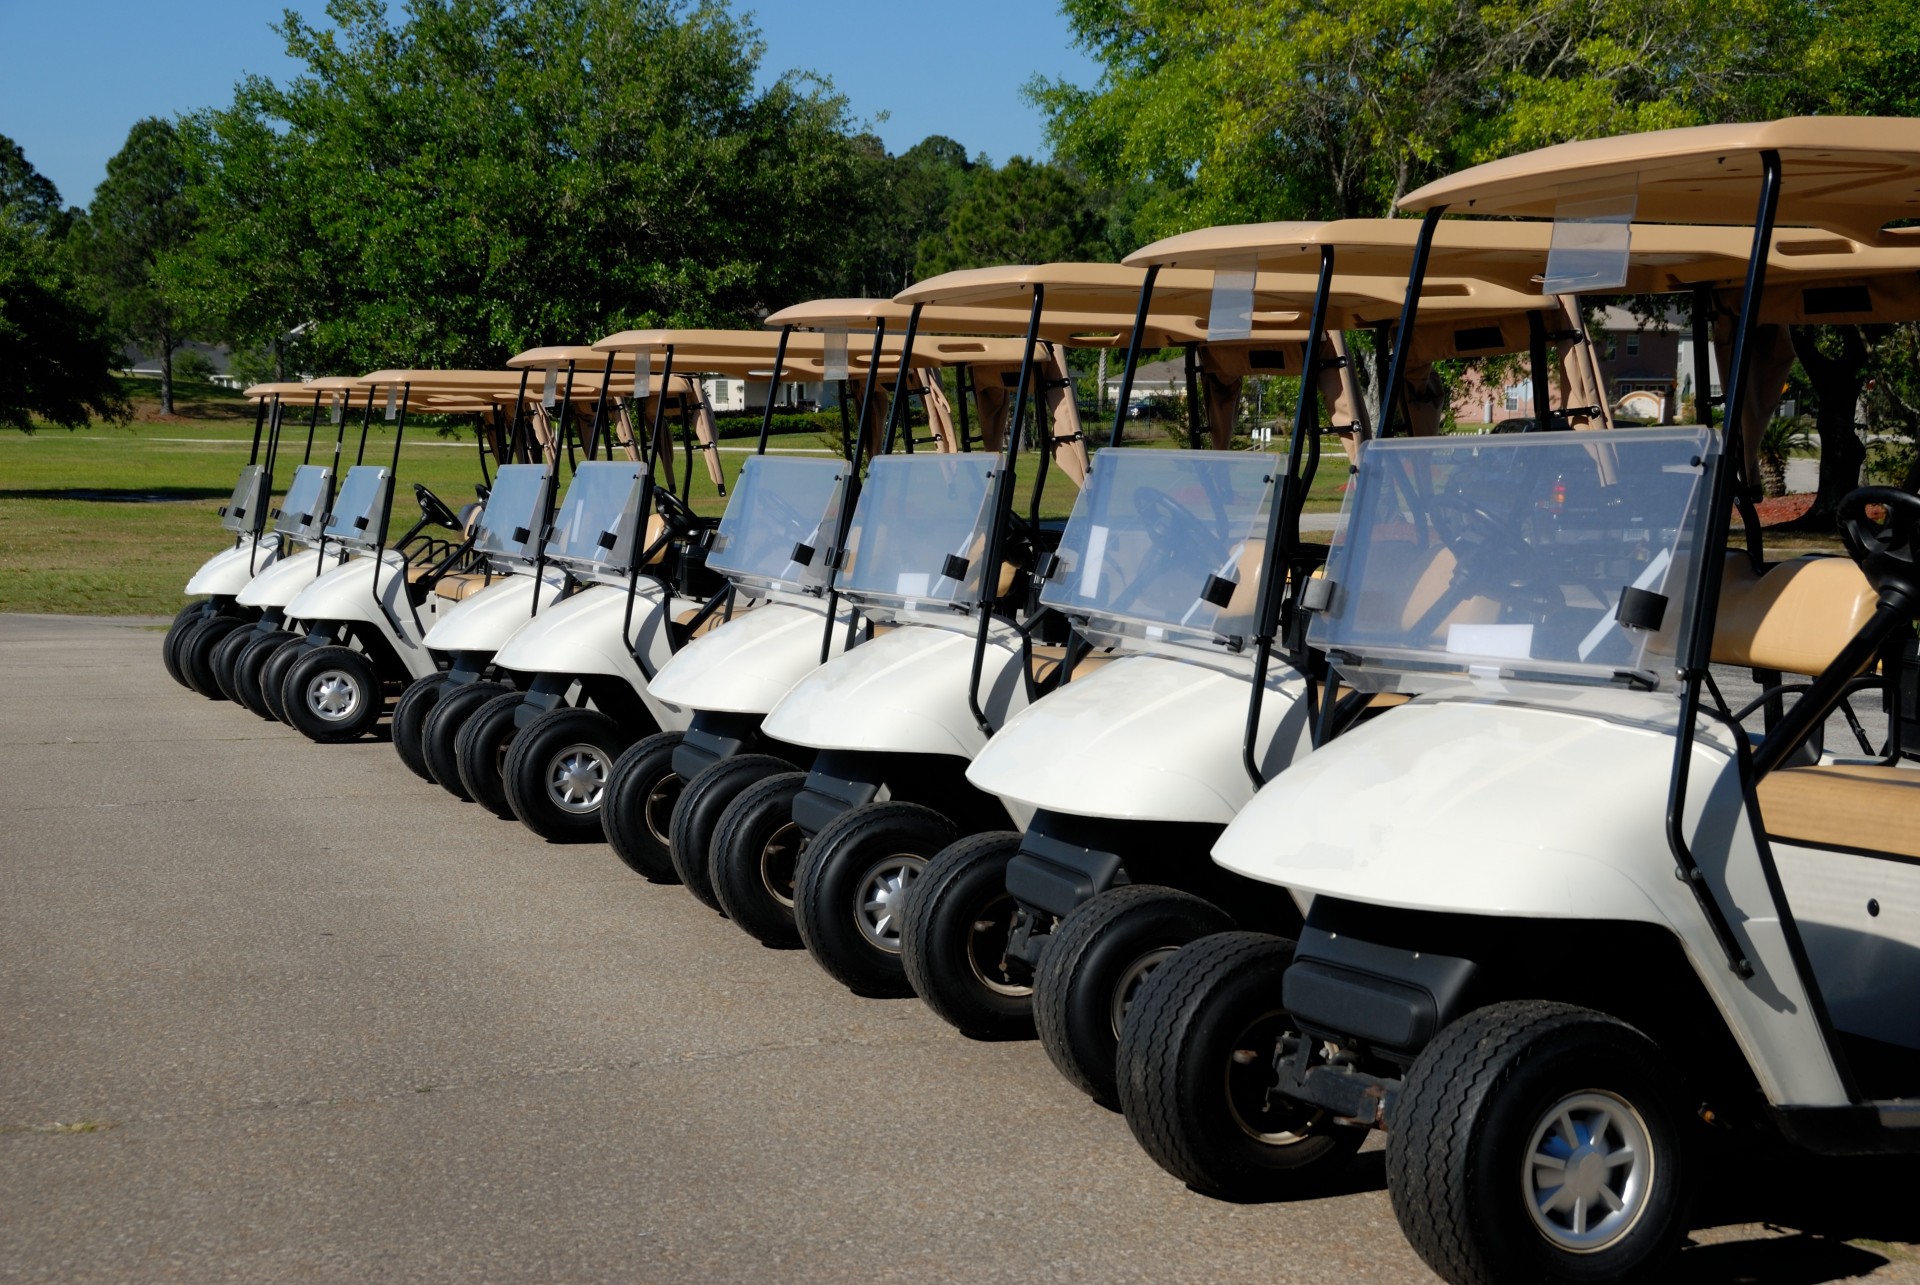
point(333, 695)
point(987, 951)
point(577, 778)
point(658, 810)
point(780, 863)
point(881, 899)
point(1129, 984)
point(1588, 1171)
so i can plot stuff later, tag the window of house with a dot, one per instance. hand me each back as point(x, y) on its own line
point(1633, 345)
point(719, 390)
point(1513, 397)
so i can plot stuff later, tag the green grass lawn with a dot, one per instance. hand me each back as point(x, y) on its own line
point(113, 520)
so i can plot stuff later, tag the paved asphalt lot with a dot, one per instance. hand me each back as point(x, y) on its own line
point(271, 1010)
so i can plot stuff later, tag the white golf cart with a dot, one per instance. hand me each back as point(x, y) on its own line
point(1568, 909)
point(221, 577)
point(775, 546)
point(1055, 927)
point(633, 555)
point(938, 560)
point(366, 618)
point(506, 579)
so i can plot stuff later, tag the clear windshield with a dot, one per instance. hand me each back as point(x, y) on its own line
point(1559, 557)
point(779, 523)
point(356, 509)
point(919, 531)
point(516, 506)
point(1166, 545)
point(594, 527)
point(249, 493)
point(300, 514)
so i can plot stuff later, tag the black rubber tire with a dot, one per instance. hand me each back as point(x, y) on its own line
point(960, 968)
point(838, 873)
point(273, 677)
point(481, 749)
point(637, 819)
point(195, 653)
point(536, 773)
point(440, 732)
point(1204, 1114)
point(755, 858)
point(410, 719)
point(187, 616)
point(358, 685)
point(1099, 949)
point(226, 653)
point(251, 665)
point(1457, 1152)
point(696, 817)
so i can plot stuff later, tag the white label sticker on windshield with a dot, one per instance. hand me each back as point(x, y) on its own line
point(1507, 642)
point(913, 584)
point(1090, 569)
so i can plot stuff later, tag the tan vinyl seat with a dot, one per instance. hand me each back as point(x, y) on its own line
point(458, 586)
point(1863, 808)
point(1433, 581)
point(1795, 618)
point(707, 626)
point(1048, 658)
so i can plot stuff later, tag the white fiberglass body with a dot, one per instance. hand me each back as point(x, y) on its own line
point(916, 555)
point(1151, 532)
point(372, 592)
point(229, 571)
point(485, 619)
point(279, 584)
point(772, 544)
point(1166, 733)
point(581, 634)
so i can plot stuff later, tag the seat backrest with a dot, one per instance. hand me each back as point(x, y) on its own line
point(1794, 619)
point(1433, 582)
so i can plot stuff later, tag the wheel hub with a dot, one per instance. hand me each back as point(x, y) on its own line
point(1588, 1171)
point(780, 862)
point(577, 778)
point(333, 695)
point(882, 899)
point(987, 954)
point(659, 807)
point(1129, 984)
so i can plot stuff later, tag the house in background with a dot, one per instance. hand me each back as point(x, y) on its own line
point(1646, 367)
point(739, 395)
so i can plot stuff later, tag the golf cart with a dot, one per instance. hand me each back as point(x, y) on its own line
point(244, 515)
point(1569, 910)
point(367, 617)
point(1177, 568)
point(238, 661)
point(635, 584)
point(893, 723)
point(775, 546)
point(506, 579)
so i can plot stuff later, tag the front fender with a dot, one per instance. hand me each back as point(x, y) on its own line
point(581, 636)
point(227, 572)
point(1165, 733)
point(1504, 810)
point(903, 692)
point(485, 620)
point(746, 665)
point(280, 583)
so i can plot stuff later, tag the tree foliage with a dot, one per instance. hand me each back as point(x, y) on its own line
point(140, 222)
point(56, 358)
point(1023, 212)
point(491, 174)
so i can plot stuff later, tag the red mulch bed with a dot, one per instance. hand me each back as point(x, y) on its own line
point(1784, 508)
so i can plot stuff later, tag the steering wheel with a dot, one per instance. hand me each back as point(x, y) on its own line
point(1887, 551)
point(434, 509)
point(1168, 521)
point(674, 510)
point(1484, 546)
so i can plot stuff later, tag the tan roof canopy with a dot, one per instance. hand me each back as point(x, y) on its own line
point(1848, 174)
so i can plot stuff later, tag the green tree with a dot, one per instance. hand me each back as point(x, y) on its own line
point(1273, 109)
point(1023, 212)
point(492, 174)
point(139, 222)
point(903, 200)
point(56, 358)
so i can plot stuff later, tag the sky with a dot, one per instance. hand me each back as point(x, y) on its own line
point(78, 74)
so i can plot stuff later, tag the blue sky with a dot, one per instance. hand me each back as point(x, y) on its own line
point(78, 74)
